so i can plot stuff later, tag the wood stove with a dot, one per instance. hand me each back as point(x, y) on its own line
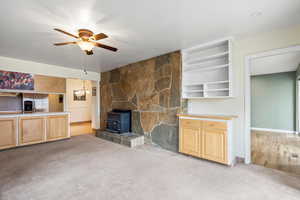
point(119, 121)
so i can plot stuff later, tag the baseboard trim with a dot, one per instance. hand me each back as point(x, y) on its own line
point(78, 123)
point(272, 130)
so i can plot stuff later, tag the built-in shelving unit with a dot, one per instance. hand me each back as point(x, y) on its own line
point(206, 70)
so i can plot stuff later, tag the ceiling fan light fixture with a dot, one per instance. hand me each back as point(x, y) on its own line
point(85, 45)
point(86, 40)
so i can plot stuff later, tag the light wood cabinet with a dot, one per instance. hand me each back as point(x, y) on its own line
point(31, 130)
point(8, 132)
point(205, 139)
point(49, 84)
point(57, 127)
point(190, 139)
point(23, 130)
point(214, 145)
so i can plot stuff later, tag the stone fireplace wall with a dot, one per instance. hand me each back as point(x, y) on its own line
point(151, 89)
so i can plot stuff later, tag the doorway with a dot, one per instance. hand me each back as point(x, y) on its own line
point(271, 108)
point(81, 102)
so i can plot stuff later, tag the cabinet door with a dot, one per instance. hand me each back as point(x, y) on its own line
point(49, 84)
point(8, 132)
point(190, 140)
point(32, 130)
point(57, 127)
point(214, 145)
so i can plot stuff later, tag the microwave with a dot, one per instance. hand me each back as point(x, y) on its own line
point(35, 102)
point(28, 103)
point(28, 106)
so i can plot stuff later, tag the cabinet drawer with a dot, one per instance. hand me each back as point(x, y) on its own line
point(190, 123)
point(213, 124)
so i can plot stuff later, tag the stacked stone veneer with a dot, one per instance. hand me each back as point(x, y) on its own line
point(151, 89)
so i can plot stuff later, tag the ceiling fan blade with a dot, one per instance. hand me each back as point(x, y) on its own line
point(64, 32)
point(64, 43)
point(105, 46)
point(99, 36)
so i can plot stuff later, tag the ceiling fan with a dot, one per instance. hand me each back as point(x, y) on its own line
point(86, 40)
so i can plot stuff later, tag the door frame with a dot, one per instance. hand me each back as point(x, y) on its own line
point(247, 100)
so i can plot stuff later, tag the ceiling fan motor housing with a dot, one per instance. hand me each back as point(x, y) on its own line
point(85, 33)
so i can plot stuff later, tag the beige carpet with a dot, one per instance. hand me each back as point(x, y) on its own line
point(88, 168)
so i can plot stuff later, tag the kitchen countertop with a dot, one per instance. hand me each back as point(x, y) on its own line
point(208, 116)
point(36, 114)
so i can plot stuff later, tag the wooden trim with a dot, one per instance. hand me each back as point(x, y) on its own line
point(224, 117)
point(78, 123)
point(10, 112)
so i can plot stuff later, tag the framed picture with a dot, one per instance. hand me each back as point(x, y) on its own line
point(94, 91)
point(78, 95)
point(16, 81)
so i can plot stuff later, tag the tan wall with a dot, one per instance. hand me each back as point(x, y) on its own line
point(80, 110)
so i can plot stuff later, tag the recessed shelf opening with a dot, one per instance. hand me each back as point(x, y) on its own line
point(206, 71)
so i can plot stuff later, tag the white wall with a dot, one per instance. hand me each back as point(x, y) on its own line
point(243, 47)
point(95, 108)
point(17, 65)
point(80, 110)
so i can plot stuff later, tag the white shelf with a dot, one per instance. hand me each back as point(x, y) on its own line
point(207, 68)
point(193, 91)
point(213, 90)
point(200, 60)
point(208, 90)
point(202, 47)
point(215, 82)
point(210, 97)
point(207, 71)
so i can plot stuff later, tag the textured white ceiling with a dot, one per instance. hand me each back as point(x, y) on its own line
point(275, 64)
point(140, 29)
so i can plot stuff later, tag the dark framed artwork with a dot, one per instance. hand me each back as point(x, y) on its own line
point(16, 81)
point(79, 96)
point(94, 91)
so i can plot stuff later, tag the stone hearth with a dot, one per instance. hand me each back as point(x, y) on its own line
point(127, 139)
